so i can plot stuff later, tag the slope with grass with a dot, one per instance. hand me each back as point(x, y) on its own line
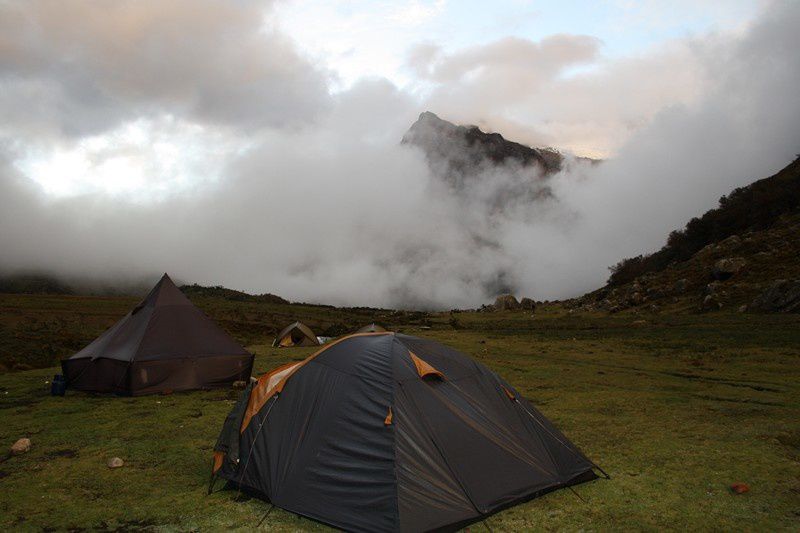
point(37, 330)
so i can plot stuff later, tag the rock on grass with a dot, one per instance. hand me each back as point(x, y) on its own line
point(21, 446)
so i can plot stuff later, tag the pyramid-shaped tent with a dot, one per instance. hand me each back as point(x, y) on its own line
point(388, 432)
point(164, 344)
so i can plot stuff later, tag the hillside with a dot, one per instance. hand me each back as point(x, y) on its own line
point(37, 330)
point(742, 254)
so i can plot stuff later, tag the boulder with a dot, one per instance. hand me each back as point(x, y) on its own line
point(743, 308)
point(680, 286)
point(781, 296)
point(726, 268)
point(527, 304)
point(21, 446)
point(711, 303)
point(115, 462)
point(506, 302)
point(734, 241)
point(711, 289)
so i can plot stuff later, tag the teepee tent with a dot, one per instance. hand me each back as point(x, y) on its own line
point(295, 334)
point(388, 432)
point(164, 344)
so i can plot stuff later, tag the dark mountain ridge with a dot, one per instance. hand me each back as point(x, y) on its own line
point(742, 254)
point(465, 147)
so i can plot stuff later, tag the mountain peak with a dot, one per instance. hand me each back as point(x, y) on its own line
point(466, 147)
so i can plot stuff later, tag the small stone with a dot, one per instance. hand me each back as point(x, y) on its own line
point(21, 446)
point(239, 384)
point(743, 308)
point(115, 462)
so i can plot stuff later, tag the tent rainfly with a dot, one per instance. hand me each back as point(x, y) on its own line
point(388, 432)
point(295, 334)
point(372, 328)
point(164, 344)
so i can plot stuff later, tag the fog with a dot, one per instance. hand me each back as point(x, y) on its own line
point(309, 194)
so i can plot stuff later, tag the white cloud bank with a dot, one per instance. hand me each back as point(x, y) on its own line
point(283, 187)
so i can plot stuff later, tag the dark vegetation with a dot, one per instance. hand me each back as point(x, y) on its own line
point(33, 284)
point(752, 208)
point(229, 294)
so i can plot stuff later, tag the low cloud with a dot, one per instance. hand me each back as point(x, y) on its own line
point(318, 201)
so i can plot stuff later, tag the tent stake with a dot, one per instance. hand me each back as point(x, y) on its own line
point(271, 507)
point(576, 494)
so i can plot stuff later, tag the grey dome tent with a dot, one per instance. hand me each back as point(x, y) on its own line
point(295, 334)
point(388, 432)
point(164, 344)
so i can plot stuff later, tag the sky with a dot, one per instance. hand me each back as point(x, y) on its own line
point(256, 144)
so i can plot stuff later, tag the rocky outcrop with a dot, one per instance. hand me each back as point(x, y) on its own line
point(782, 296)
point(726, 268)
point(468, 159)
point(527, 304)
point(465, 146)
point(506, 302)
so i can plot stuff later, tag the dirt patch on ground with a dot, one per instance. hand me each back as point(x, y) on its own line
point(66, 453)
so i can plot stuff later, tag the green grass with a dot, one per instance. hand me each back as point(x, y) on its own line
point(675, 410)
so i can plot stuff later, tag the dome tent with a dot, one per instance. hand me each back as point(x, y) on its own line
point(164, 344)
point(388, 432)
point(295, 334)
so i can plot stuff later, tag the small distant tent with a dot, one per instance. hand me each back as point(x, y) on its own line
point(296, 334)
point(372, 328)
point(388, 432)
point(164, 344)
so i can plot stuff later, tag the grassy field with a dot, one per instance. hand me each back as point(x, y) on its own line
point(675, 408)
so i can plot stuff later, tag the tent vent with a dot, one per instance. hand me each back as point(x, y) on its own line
point(423, 368)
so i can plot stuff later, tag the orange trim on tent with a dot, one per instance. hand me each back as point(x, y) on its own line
point(388, 420)
point(509, 394)
point(218, 457)
point(423, 368)
point(286, 341)
point(264, 390)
